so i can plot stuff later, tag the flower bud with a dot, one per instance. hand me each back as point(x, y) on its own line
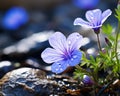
point(87, 80)
point(103, 51)
point(108, 42)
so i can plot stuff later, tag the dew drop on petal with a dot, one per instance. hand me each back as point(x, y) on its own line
point(75, 56)
point(71, 59)
point(69, 42)
point(57, 69)
point(61, 69)
point(58, 64)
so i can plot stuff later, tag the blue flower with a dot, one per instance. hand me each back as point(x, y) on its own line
point(95, 19)
point(14, 18)
point(65, 52)
point(86, 4)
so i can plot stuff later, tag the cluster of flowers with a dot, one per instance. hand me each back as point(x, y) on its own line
point(65, 51)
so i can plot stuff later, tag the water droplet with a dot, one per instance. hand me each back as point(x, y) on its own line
point(59, 64)
point(57, 69)
point(75, 56)
point(61, 69)
point(69, 42)
point(71, 59)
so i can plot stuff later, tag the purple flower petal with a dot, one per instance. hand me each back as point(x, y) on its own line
point(58, 41)
point(94, 16)
point(106, 14)
point(50, 55)
point(95, 19)
point(59, 67)
point(79, 21)
point(76, 58)
point(74, 41)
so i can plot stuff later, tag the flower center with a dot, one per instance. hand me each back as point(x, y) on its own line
point(67, 55)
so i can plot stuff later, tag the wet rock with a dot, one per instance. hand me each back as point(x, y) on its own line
point(5, 66)
point(35, 82)
point(30, 46)
point(23, 82)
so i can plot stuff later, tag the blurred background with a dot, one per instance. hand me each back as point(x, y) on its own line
point(25, 26)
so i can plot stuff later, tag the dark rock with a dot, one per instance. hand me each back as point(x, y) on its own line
point(30, 46)
point(35, 82)
point(5, 66)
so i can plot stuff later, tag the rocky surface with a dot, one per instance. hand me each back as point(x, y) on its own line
point(26, 44)
point(35, 82)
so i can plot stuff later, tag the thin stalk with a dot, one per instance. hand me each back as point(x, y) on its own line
point(98, 40)
point(116, 42)
point(100, 93)
point(95, 91)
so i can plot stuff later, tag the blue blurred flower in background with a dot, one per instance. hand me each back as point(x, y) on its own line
point(14, 18)
point(85, 4)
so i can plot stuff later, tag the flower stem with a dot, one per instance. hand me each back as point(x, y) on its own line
point(98, 39)
point(116, 42)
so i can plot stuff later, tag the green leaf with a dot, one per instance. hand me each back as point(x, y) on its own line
point(79, 72)
point(107, 29)
point(92, 59)
point(117, 15)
